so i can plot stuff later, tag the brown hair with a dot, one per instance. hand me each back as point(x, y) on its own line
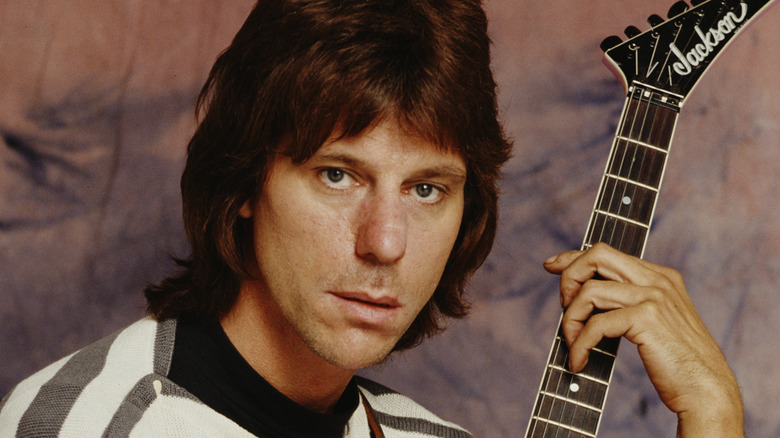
point(296, 71)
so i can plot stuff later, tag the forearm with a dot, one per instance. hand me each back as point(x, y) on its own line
point(718, 415)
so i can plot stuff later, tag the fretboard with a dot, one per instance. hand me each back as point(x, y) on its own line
point(570, 404)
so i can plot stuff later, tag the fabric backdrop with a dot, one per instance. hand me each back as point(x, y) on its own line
point(96, 107)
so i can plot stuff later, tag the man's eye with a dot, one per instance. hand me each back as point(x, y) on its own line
point(424, 190)
point(428, 193)
point(334, 175)
point(336, 178)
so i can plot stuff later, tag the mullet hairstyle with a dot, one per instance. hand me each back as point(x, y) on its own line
point(300, 71)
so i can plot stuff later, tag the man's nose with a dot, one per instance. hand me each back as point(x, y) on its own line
point(382, 230)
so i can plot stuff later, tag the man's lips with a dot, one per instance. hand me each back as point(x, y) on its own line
point(368, 309)
point(365, 298)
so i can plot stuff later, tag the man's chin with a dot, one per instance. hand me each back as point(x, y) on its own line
point(356, 356)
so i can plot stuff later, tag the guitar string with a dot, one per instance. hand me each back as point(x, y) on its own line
point(633, 137)
point(637, 147)
point(546, 387)
point(546, 383)
point(642, 163)
point(559, 339)
point(619, 157)
point(637, 151)
point(622, 128)
point(559, 346)
point(629, 113)
point(641, 118)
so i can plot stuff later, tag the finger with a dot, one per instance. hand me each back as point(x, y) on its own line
point(601, 295)
point(557, 263)
point(612, 324)
point(577, 267)
point(608, 263)
point(605, 261)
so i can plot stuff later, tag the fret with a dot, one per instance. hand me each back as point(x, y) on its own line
point(603, 352)
point(646, 122)
point(561, 411)
point(627, 200)
point(575, 387)
point(569, 401)
point(608, 346)
point(553, 429)
point(637, 162)
point(620, 234)
point(599, 363)
point(620, 178)
point(583, 375)
point(621, 218)
point(639, 143)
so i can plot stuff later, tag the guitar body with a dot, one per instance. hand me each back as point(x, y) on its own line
point(658, 68)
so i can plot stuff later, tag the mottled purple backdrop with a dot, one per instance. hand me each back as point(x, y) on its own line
point(96, 106)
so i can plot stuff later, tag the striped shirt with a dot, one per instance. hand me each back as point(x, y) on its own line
point(117, 387)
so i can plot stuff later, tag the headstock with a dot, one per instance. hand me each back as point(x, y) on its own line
point(673, 54)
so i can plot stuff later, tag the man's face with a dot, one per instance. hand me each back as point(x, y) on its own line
point(352, 243)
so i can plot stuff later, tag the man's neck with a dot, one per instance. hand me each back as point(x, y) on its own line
point(278, 354)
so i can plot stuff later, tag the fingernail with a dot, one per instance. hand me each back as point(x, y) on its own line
point(551, 260)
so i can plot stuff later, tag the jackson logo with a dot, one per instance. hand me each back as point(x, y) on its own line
point(710, 41)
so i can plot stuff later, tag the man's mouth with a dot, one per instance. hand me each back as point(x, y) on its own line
point(365, 298)
point(366, 308)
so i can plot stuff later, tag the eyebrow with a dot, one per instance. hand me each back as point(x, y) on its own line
point(452, 172)
point(455, 173)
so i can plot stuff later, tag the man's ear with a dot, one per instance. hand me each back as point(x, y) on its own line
point(246, 210)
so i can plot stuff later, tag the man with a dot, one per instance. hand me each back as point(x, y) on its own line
point(338, 193)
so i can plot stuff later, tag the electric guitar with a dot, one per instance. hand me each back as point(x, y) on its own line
point(658, 68)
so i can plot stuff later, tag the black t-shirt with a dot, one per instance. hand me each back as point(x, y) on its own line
point(206, 364)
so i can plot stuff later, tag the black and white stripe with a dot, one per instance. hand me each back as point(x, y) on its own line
point(117, 387)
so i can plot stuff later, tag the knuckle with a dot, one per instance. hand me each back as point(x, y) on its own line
point(567, 292)
point(585, 295)
point(655, 295)
point(597, 321)
point(586, 289)
point(669, 276)
point(664, 281)
point(599, 250)
point(674, 276)
point(650, 310)
point(600, 246)
point(570, 327)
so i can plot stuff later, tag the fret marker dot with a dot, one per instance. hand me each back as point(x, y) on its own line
point(574, 387)
point(626, 200)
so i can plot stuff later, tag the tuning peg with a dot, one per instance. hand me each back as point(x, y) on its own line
point(677, 9)
point(632, 31)
point(610, 42)
point(655, 20)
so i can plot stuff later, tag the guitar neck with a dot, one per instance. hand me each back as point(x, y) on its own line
point(629, 189)
point(570, 404)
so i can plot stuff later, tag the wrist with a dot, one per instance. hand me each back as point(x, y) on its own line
point(720, 415)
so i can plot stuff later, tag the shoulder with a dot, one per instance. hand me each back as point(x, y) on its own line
point(398, 412)
point(90, 383)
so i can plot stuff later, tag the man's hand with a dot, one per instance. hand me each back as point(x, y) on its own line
point(648, 304)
